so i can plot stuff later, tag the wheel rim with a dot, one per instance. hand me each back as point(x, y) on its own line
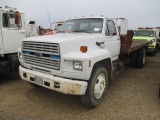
point(99, 86)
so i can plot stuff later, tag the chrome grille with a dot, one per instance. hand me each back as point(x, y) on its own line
point(41, 54)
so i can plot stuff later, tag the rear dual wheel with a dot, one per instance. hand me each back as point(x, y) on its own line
point(138, 58)
point(141, 60)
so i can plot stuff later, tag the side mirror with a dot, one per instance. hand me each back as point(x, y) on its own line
point(123, 27)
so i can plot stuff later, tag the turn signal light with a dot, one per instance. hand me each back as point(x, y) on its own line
point(83, 48)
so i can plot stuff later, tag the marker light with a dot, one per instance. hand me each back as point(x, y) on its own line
point(83, 48)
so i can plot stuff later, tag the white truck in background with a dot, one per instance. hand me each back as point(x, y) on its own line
point(81, 58)
point(54, 28)
point(56, 25)
point(13, 29)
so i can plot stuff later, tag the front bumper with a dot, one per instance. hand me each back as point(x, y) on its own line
point(63, 85)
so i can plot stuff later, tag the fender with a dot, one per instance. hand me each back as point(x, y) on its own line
point(95, 57)
point(90, 58)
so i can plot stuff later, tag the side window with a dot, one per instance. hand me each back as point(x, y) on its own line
point(9, 21)
point(111, 28)
point(5, 20)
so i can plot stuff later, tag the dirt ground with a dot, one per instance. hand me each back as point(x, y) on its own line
point(132, 96)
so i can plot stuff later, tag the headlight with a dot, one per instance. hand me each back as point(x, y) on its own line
point(77, 65)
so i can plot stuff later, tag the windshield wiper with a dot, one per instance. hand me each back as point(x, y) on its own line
point(82, 31)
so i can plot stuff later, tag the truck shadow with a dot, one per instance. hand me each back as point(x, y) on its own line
point(50, 99)
point(9, 77)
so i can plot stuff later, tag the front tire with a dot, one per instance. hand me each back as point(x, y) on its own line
point(97, 86)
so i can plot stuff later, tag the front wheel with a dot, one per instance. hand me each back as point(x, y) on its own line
point(97, 86)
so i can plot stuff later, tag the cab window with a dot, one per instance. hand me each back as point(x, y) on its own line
point(8, 20)
point(110, 28)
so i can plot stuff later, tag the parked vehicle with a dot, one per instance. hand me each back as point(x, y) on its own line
point(81, 58)
point(54, 27)
point(148, 34)
point(13, 28)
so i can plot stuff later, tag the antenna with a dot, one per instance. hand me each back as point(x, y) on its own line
point(48, 17)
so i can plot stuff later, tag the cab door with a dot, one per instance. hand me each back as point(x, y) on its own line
point(12, 33)
point(112, 41)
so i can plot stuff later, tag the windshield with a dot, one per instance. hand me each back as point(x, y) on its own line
point(144, 33)
point(88, 25)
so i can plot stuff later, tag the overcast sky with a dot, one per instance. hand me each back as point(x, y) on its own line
point(140, 13)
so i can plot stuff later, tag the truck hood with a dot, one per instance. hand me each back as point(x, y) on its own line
point(70, 41)
point(62, 37)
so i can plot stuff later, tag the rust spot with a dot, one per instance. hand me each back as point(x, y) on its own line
point(126, 41)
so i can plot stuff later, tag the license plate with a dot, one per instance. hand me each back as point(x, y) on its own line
point(38, 80)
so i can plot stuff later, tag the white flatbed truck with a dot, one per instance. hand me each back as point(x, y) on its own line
point(81, 58)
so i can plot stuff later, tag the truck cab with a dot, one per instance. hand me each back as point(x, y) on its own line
point(13, 29)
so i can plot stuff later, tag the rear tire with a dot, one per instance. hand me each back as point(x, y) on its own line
point(133, 58)
point(14, 62)
point(97, 87)
point(141, 58)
